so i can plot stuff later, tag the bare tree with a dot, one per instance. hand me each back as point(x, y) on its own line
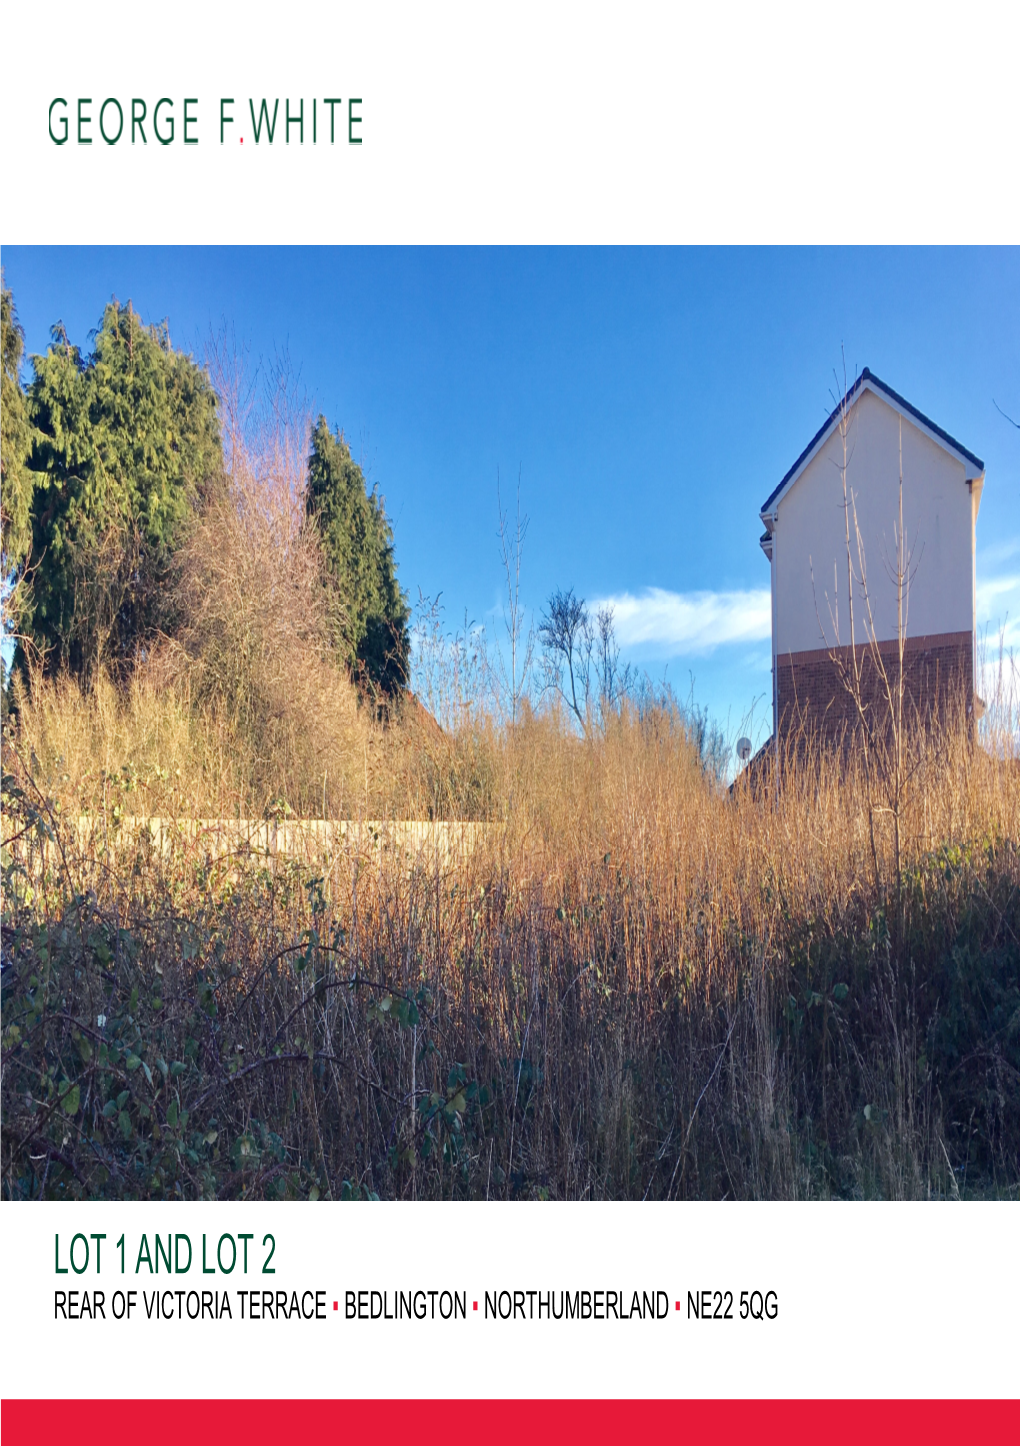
point(583, 658)
point(452, 677)
point(861, 667)
point(614, 680)
point(566, 636)
point(514, 674)
point(889, 741)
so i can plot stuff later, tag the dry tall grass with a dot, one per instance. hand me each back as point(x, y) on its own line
point(639, 985)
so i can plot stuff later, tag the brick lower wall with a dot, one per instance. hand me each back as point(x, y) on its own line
point(938, 675)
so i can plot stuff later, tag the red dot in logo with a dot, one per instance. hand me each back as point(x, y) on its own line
point(336, 1306)
point(475, 1305)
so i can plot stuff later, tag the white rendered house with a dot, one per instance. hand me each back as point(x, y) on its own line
point(806, 520)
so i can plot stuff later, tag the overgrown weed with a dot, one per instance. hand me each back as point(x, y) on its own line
point(639, 985)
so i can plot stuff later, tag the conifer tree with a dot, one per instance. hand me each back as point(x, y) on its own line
point(125, 443)
point(15, 439)
point(357, 542)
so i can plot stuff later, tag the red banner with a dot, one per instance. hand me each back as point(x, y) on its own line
point(250, 1422)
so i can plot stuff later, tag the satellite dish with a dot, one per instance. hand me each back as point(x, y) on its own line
point(743, 750)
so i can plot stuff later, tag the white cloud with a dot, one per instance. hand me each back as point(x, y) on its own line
point(998, 608)
point(999, 552)
point(690, 622)
point(995, 593)
point(656, 620)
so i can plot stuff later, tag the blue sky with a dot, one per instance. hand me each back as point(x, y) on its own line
point(649, 399)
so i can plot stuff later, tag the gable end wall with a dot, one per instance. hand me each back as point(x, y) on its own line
point(809, 548)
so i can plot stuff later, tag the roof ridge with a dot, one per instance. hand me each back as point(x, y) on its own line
point(867, 375)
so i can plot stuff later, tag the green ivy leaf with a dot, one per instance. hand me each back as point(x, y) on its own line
point(244, 1151)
